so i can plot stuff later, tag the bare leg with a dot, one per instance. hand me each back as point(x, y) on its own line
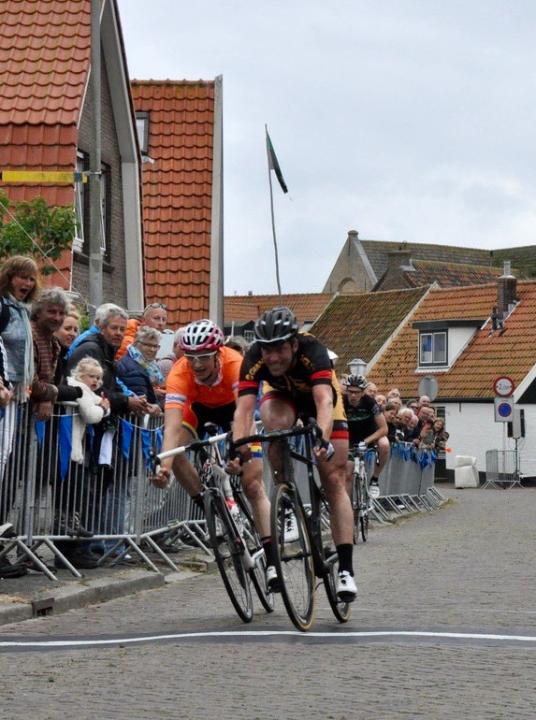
point(183, 469)
point(253, 484)
point(276, 415)
point(333, 477)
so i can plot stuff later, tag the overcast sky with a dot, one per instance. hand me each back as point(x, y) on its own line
point(407, 120)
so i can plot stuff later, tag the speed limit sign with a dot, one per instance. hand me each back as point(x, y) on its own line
point(503, 386)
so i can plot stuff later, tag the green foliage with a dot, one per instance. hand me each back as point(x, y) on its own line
point(51, 229)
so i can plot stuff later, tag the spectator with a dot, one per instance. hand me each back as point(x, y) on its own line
point(101, 345)
point(413, 405)
point(394, 393)
point(372, 390)
point(138, 368)
point(66, 335)
point(441, 436)
point(426, 438)
point(19, 286)
point(48, 314)
point(237, 342)
point(408, 424)
point(110, 321)
point(381, 400)
point(166, 363)
point(154, 316)
point(389, 413)
point(92, 408)
point(424, 401)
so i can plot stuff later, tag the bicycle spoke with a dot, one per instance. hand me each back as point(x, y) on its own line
point(293, 558)
point(228, 552)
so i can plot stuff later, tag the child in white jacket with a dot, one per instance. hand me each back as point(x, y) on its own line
point(92, 408)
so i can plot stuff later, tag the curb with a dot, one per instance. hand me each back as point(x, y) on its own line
point(75, 595)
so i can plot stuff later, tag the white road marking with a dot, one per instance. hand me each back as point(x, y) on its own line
point(262, 634)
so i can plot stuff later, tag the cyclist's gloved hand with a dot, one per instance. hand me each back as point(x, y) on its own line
point(237, 457)
point(324, 450)
point(362, 446)
point(161, 477)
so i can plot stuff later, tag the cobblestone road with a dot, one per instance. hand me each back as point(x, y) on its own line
point(467, 567)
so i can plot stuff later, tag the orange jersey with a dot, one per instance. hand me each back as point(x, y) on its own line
point(182, 388)
point(133, 325)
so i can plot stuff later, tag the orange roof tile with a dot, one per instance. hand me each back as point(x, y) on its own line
point(487, 355)
point(306, 306)
point(44, 61)
point(357, 325)
point(177, 194)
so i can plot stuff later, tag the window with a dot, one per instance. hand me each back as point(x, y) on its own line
point(81, 199)
point(81, 241)
point(142, 128)
point(433, 348)
point(249, 336)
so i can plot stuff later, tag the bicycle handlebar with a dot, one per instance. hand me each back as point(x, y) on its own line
point(310, 429)
point(196, 445)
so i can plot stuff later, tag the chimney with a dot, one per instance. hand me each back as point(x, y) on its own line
point(399, 260)
point(506, 291)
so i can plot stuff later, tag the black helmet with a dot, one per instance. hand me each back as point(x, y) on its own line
point(356, 381)
point(276, 325)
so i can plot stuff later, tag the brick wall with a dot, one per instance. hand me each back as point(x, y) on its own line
point(114, 280)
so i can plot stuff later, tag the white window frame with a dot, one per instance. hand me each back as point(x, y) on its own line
point(433, 360)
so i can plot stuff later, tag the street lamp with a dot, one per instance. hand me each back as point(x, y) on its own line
point(357, 366)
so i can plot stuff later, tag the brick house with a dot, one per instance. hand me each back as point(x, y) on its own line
point(46, 111)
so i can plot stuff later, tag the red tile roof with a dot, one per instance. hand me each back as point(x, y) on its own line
point(177, 194)
point(357, 325)
point(487, 355)
point(243, 308)
point(44, 61)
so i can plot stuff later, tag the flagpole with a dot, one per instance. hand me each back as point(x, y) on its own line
point(273, 223)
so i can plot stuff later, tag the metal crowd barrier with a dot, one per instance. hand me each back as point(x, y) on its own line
point(89, 487)
point(502, 469)
point(406, 482)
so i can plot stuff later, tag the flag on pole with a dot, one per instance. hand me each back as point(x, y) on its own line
point(273, 163)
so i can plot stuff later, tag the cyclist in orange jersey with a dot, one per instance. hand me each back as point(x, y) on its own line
point(202, 387)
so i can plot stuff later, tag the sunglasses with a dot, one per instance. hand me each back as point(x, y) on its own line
point(155, 305)
point(203, 357)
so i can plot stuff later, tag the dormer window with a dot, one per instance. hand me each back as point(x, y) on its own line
point(433, 348)
point(441, 342)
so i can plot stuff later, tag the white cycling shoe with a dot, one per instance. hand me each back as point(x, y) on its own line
point(291, 528)
point(374, 490)
point(346, 588)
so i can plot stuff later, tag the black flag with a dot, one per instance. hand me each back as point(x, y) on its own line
point(273, 163)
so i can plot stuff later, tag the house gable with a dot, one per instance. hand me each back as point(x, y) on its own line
point(487, 354)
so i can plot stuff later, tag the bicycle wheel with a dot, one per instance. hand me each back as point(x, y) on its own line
point(253, 542)
point(341, 610)
point(293, 558)
point(356, 507)
point(228, 552)
point(364, 509)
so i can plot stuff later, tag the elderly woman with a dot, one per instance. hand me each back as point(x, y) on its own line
point(101, 344)
point(138, 368)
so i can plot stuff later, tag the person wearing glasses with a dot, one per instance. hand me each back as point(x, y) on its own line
point(202, 387)
point(154, 316)
point(298, 382)
point(138, 368)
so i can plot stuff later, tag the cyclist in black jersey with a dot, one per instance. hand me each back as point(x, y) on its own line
point(299, 382)
point(366, 423)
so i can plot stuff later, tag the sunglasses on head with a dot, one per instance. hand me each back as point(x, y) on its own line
point(154, 306)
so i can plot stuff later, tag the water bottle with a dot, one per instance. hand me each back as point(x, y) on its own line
point(235, 513)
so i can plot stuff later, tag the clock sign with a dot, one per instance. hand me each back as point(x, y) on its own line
point(503, 386)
